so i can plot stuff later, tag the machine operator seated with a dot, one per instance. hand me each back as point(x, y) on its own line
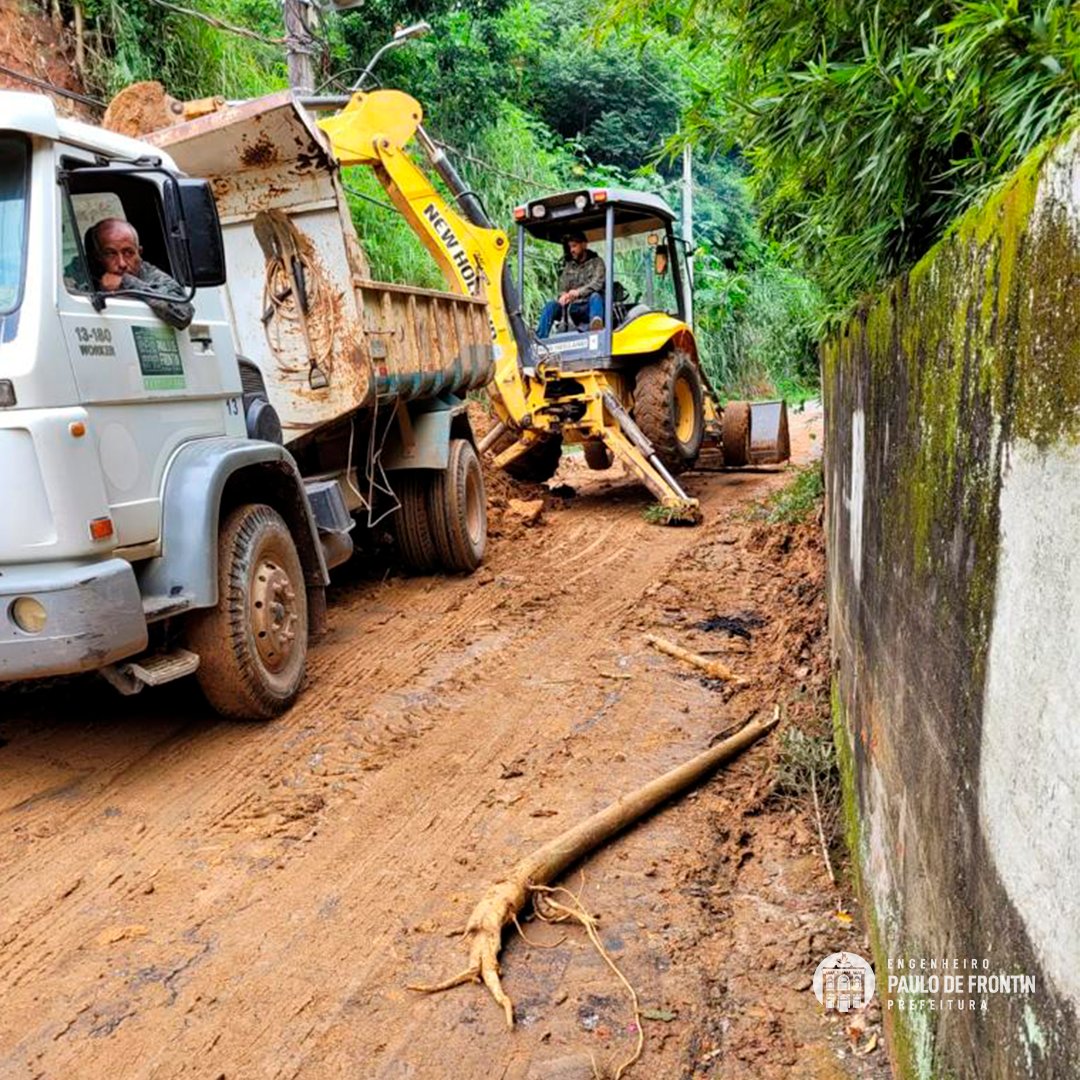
point(581, 287)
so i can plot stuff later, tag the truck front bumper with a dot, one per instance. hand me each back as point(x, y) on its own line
point(93, 613)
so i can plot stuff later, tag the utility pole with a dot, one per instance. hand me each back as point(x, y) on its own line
point(688, 225)
point(299, 46)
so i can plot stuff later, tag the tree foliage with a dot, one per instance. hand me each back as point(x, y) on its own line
point(869, 127)
point(138, 40)
point(529, 102)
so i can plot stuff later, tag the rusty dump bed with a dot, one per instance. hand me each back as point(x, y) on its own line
point(327, 338)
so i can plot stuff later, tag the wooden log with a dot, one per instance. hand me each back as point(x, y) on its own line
point(504, 899)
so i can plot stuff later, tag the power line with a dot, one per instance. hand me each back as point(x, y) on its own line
point(218, 24)
point(487, 165)
point(368, 198)
point(50, 88)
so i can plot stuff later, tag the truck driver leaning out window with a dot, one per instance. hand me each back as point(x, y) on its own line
point(112, 248)
point(581, 285)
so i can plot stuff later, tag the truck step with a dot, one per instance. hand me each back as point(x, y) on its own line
point(164, 667)
point(162, 607)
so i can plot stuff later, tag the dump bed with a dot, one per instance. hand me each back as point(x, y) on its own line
point(327, 338)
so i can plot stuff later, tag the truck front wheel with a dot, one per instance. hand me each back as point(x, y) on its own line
point(253, 646)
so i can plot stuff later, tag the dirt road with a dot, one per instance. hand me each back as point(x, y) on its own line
point(180, 896)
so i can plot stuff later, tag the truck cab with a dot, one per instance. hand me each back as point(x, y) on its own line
point(119, 434)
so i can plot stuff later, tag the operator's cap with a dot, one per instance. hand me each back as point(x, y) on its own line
point(574, 234)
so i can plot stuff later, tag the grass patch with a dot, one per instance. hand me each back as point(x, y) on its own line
point(797, 501)
point(807, 761)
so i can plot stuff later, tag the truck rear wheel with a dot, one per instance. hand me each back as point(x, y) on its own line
point(538, 463)
point(735, 433)
point(253, 646)
point(669, 407)
point(457, 508)
point(412, 525)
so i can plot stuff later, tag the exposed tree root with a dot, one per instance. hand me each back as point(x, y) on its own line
point(551, 910)
point(504, 899)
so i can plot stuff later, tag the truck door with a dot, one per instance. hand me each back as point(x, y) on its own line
point(148, 387)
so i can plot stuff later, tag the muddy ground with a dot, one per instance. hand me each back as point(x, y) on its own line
point(181, 896)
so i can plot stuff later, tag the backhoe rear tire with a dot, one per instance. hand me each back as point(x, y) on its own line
point(252, 646)
point(735, 434)
point(669, 407)
point(412, 525)
point(457, 509)
point(538, 463)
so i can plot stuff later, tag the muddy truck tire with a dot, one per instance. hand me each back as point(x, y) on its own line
point(669, 407)
point(412, 524)
point(252, 646)
point(735, 433)
point(457, 510)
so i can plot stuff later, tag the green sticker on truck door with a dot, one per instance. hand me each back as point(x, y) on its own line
point(159, 358)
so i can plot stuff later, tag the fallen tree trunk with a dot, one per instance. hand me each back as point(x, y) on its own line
point(503, 900)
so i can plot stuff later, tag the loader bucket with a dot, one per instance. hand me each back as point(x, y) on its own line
point(769, 440)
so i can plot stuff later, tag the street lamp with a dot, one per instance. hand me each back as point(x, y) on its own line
point(401, 35)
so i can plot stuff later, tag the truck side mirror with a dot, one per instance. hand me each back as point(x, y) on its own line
point(204, 264)
point(204, 233)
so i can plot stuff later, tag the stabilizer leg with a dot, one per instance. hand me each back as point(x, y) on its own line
point(630, 446)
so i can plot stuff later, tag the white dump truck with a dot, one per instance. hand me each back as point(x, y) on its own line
point(174, 499)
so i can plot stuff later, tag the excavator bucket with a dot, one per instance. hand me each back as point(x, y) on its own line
point(388, 114)
point(770, 443)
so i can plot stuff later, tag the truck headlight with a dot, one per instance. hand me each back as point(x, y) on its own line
point(28, 615)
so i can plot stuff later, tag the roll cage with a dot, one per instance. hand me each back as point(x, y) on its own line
point(605, 215)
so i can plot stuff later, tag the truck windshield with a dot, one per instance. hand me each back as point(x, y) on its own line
point(14, 196)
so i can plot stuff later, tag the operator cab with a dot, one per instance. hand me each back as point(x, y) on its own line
point(632, 231)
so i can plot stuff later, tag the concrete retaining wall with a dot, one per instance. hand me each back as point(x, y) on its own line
point(953, 472)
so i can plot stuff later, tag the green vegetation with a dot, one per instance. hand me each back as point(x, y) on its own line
point(869, 127)
point(806, 762)
point(137, 41)
point(656, 514)
point(833, 145)
point(797, 500)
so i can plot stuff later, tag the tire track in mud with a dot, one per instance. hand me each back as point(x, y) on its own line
point(445, 821)
point(415, 702)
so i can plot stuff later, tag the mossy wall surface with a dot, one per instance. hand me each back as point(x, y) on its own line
point(953, 472)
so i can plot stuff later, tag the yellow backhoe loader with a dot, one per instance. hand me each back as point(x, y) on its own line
point(632, 390)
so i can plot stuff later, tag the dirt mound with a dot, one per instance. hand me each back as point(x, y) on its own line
point(753, 594)
point(141, 108)
point(503, 489)
point(31, 43)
